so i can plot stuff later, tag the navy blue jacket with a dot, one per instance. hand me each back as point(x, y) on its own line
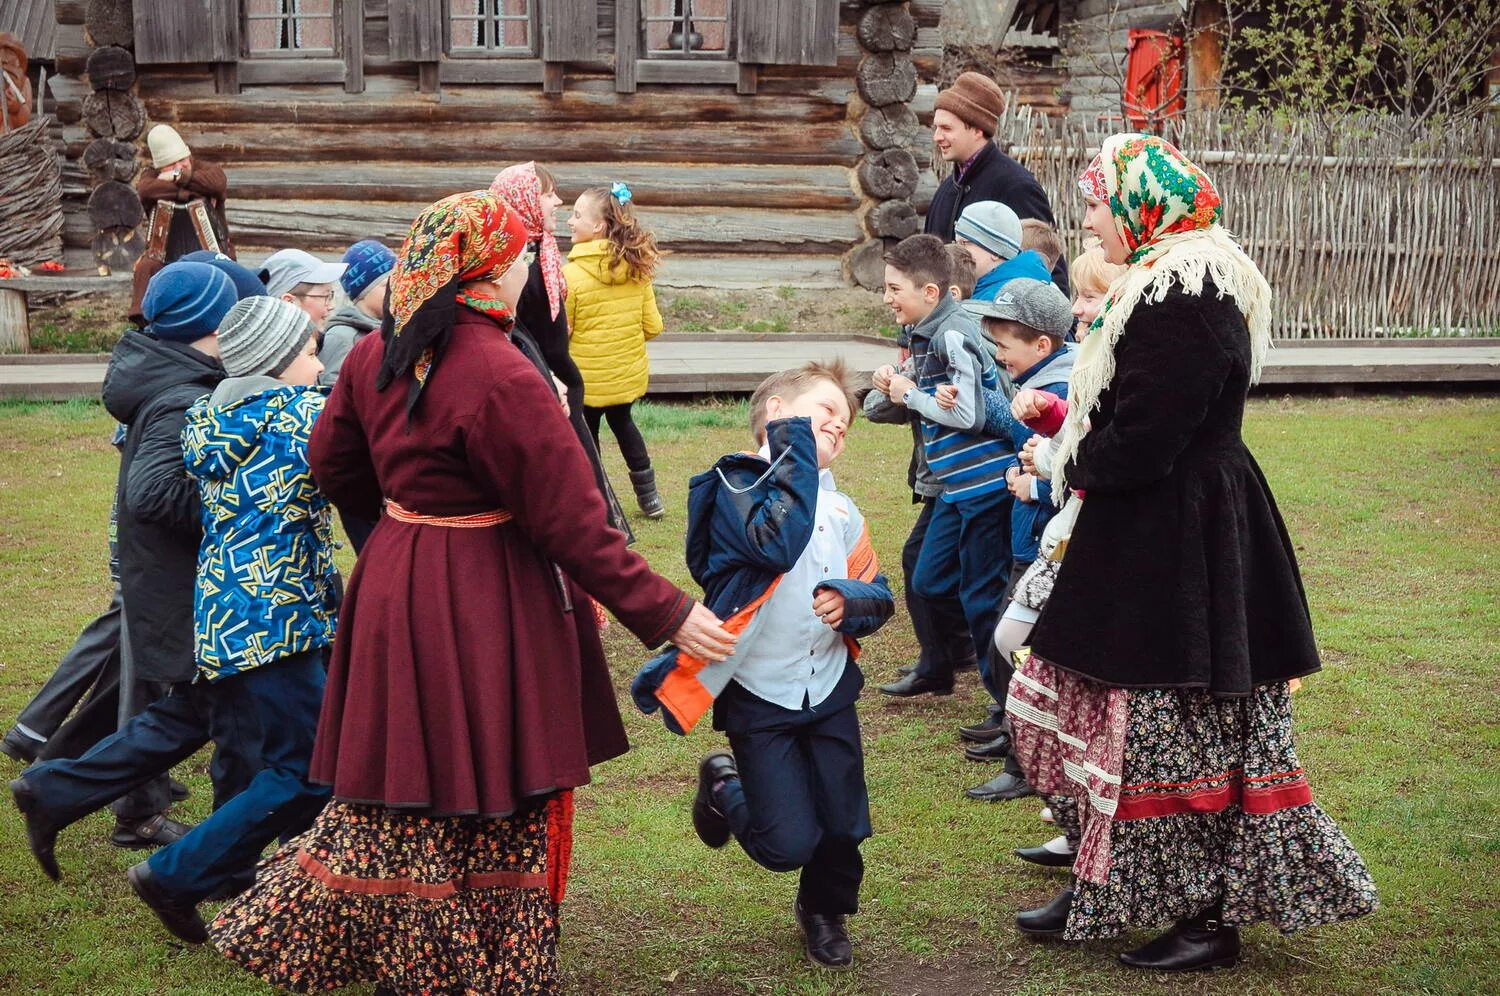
point(749, 520)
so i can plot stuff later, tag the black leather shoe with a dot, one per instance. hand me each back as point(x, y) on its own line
point(40, 836)
point(1049, 920)
point(158, 831)
point(915, 684)
point(708, 819)
point(180, 918)
point(996, 750)
point(176, 790)
point(1194, 945)
point(826, 938)
point(19, 747)
point(982, 733)
point(1046, 856)
point(1002, 788)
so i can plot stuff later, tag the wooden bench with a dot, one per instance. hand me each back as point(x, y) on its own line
point(15, 326)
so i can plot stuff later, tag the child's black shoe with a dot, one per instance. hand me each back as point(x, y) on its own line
point(826, 937)
point(708, 819)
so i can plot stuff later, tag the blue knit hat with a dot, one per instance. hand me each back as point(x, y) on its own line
point(186, 301)
point(367, 261)
point(246, 283)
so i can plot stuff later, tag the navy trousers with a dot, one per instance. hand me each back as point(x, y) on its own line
point(285, 697)
point(966, 554)
point(169, 731)
point(941, 630)
point(800, 801)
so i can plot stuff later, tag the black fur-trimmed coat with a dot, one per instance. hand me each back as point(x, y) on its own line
point(1179, 572)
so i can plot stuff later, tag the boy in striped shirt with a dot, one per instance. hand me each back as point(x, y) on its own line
point(966, 552)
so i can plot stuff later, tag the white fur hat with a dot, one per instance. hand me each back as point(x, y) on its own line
point(167, 147)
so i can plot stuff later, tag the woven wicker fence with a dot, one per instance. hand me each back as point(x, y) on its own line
point(1359, 234)
point(31, 218)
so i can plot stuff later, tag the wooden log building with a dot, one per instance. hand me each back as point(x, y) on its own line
point(762, 136)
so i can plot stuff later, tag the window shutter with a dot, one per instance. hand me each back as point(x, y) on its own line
point(787, 32)
point(187, 31)
point(416, 30)
point(570, 31)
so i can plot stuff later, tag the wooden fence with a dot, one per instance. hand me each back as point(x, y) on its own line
point(1360, 233)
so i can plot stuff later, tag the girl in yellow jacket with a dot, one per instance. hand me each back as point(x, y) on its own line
point(612, 312)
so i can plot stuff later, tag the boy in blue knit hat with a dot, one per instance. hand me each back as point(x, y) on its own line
point(154, 377)
point(368, 267)
point(993, 236)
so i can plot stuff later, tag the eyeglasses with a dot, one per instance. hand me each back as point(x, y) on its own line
point(325, 298)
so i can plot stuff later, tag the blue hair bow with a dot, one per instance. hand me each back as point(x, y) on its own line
point(620, 192)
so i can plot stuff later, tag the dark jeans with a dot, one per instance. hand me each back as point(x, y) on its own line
point(632, 444)
point(285, 698)
point(966, 554)
point(941, 631)
point(169, 731)
point(801, 803)
point(96, 649)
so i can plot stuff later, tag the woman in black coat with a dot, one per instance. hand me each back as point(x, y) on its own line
point(1158, 691)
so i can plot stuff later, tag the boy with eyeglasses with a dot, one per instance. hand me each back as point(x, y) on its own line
point(304, 280)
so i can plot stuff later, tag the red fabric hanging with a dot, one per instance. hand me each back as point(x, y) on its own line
point(1155, 77)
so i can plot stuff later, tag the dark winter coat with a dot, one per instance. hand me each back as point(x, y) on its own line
point(534, 312)
point(994, 176)
point(1179, 572)
point(149, 386)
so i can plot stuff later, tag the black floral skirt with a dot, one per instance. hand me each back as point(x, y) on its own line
point(457, 905)
point(1184, 800)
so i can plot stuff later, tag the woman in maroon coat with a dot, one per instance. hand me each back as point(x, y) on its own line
point(468, 693)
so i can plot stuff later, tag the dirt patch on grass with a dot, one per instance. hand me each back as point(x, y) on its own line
point(776, 310)
point(86, 323)
point(967, 972)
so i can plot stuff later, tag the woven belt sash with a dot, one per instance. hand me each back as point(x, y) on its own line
point(479, 520)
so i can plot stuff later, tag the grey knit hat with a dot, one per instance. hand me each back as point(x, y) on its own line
point(262, 335)
point(1037, 304)
point(991, 226)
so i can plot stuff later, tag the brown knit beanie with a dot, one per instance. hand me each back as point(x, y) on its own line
point(975, 100)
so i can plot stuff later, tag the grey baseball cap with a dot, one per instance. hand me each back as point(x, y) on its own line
point(1034, 303)
point(287, 268)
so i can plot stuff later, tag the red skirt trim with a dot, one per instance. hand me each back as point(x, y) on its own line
point(420, 890)
point(559, 843)
point(1148, 800)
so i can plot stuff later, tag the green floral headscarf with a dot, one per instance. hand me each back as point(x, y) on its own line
point(1152, 190)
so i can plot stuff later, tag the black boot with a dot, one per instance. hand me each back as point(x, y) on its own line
point(644, 482)
point(1049, 920)
point(1195, 944)
point(826, 938)
point(41, 836)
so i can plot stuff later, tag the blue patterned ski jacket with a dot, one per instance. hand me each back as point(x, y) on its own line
point(267, 586)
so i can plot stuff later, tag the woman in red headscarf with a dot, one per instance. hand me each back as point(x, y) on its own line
point(468, 693)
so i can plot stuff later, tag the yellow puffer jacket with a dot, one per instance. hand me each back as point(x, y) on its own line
point(611, 319)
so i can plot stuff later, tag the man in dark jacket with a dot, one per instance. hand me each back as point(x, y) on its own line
point(963, 128)
point(153, 378)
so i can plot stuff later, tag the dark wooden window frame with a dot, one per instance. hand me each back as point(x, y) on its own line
point(345, 66)
point(482, 65)
point(633, 65)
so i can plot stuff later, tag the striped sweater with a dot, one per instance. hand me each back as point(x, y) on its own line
point(947, 347)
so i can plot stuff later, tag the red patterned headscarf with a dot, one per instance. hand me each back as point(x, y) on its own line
point(521, 190)
point(468, 236)
point(1152, 190)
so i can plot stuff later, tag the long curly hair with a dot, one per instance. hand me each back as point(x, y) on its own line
point(630, 244)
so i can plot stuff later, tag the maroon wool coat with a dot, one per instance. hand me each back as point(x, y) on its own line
point(467, 673)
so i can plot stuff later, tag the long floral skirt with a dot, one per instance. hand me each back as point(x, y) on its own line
point(1184, 801)
point(429, 905)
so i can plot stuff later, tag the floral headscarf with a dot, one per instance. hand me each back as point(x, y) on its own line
point(1152, 190)
point(1168, 215)
point(468, 236)
point(521, 190)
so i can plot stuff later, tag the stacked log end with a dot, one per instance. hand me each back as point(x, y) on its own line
point(887, 174)
point(115, 118)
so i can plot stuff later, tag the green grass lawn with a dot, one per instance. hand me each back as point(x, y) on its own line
point(1392, 503)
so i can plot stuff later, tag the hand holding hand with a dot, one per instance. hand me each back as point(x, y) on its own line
point(703, 636)
point(898, 387)
point(829, 606)
point(947, 397)
point(562, 395)
point(881, 378)
point(1020, 487)
point(1027, 404)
